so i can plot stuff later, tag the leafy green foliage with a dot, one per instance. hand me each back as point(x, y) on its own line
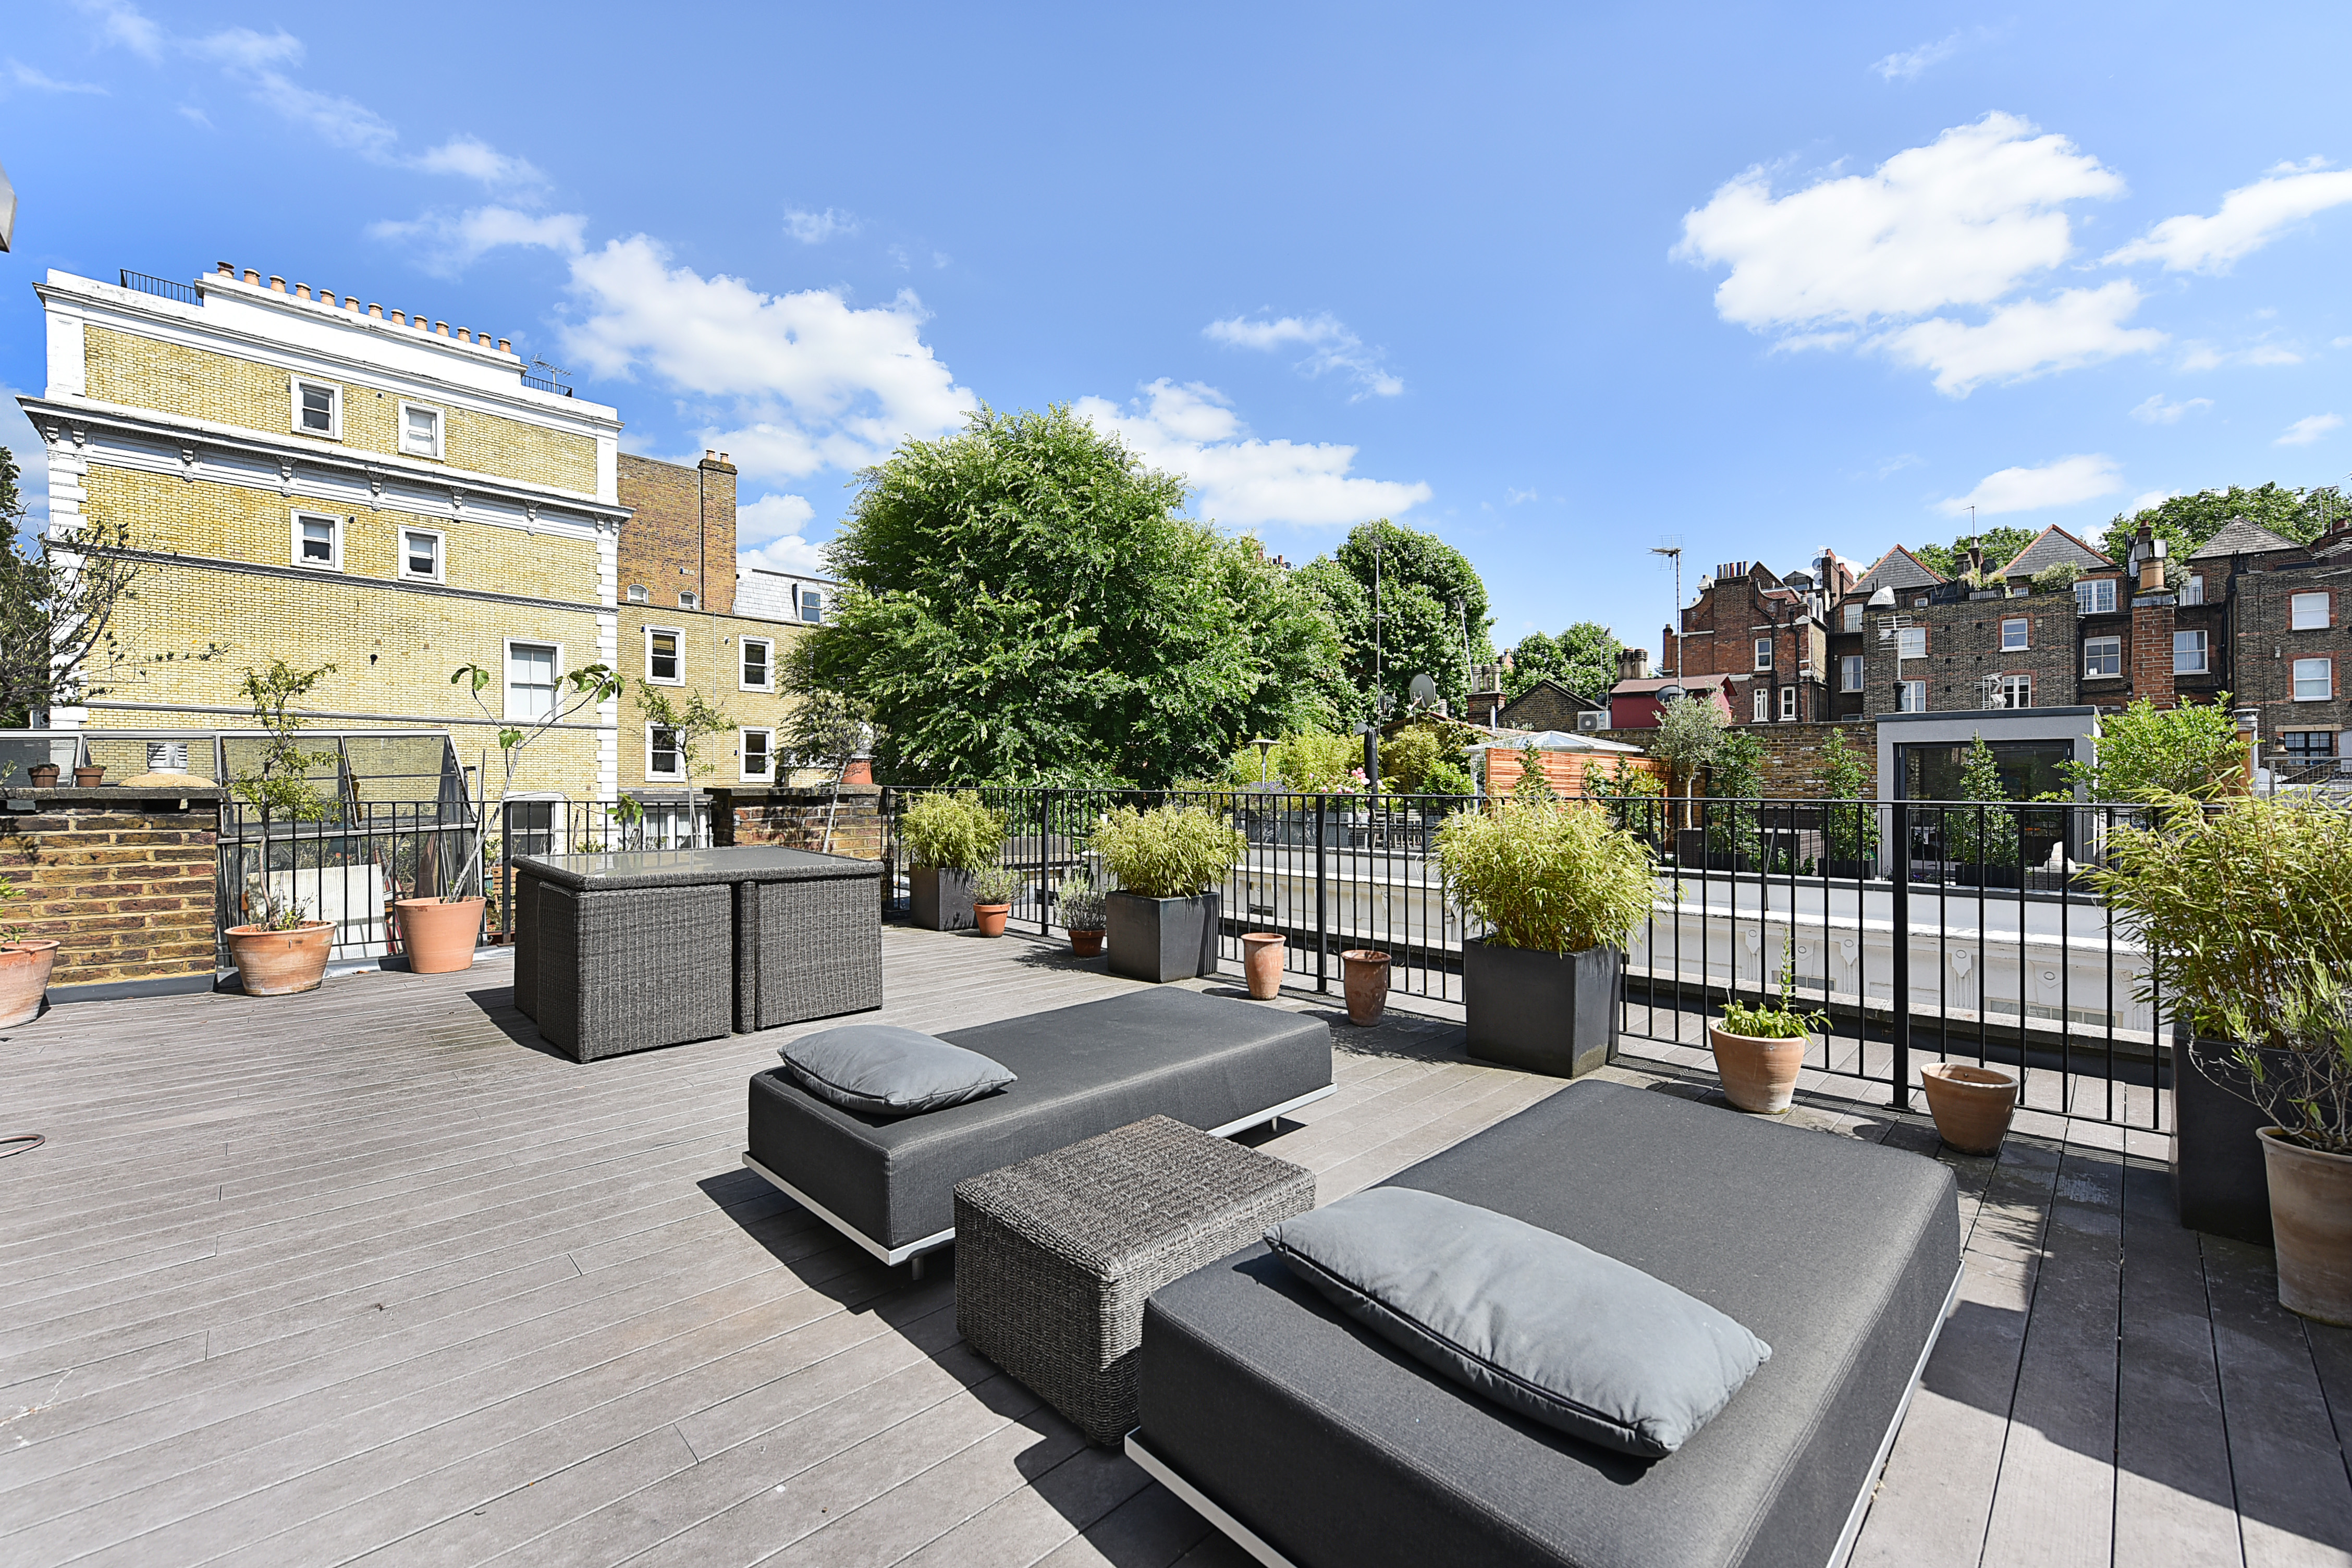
point(10, 896)
point(58, 602)
point(2001, 546)
point(996, 885)
point(1420, 576)
point(1315, 761)
point(1774, 1020)
point(2185, 522)
point(1022, 604)
point(1082, 903)
point(1169, 852)
point(281, 786)
point(1990, 834)
point(952, 832)
point(1735, 779)
point(2245, 912)
point(1690, 732)
point(2144, 754)
point(1583, 659)
point(688, 716)
point(827, 729)
point(1547, 874)
point(2058, 577)
point(1426, 758)
point(1634, 797)
point(1843, 774)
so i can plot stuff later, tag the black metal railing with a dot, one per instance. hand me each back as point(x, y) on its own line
point(545, 384)
point(147, 284)
point(584, 827)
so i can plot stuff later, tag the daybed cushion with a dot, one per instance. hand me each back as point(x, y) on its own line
point(1340, 1449)
point(1204, 1060)
point(888, 1070)
point(1576, 1340)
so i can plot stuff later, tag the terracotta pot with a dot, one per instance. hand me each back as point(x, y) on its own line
point(24, 980)
point(1368, 984)
point(43, 775)
point(281, 963)
point(2311, 1218)
point(1086, 943)
point(439, 938)
point(1262, 965)
point(1759, 1076)
point(88, 778)
point(1972, 1106)
point(990, 918)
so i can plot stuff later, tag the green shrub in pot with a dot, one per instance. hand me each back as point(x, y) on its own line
point(996, 885)
point(1170, 862)
point(952, 832)
point(1082, 904)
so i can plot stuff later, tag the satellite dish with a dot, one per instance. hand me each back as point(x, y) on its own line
point(1425, 691)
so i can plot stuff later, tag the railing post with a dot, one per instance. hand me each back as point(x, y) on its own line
point(505, 868)
point(1322, 904)
point(1899, 1017)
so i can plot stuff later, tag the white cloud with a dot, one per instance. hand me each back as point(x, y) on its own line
point(814, 383)
point(41, 82)
point(194, 116)
point(1235, 477)
point(2251, 217)
point(252, 60)
point(2155, 410)
point(1907, 65)
point(2018, 342)
point(1515, 496)
point(476, 159)
point(775, 526)
point(446, 243)
point(125, 26)
point(2205, 356)
point(815, 228)
point(2306, 430)
point(1330, 347)
point(2140, 503)
point(2060, 483)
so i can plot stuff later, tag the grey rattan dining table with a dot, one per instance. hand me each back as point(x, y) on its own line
point(628, 950)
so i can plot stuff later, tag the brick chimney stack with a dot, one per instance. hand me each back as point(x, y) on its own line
point(1633, 663)
point(2152, 625)
point(1669, 652)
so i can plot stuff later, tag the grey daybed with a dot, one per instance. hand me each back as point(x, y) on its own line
point(888, 1184)
point(1311, 1442)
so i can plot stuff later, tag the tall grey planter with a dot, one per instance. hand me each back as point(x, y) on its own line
point(1543, 1011)
point(2219, 1183)
point(1162, 938)
point(941, 897)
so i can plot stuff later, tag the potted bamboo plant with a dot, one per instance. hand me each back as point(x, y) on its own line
point(949, 839)
point(1170, 861)
point(993, 889)
point(277, 951)
point(1760, 1047)
point(1559, 890)
point(24, 967)
point(2245, 912)
point(1082, 915)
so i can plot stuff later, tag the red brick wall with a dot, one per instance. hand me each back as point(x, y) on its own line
point(1792, 753)
point(795, 818)
point(680, 532)
point(2151, 650)
point(127, 890)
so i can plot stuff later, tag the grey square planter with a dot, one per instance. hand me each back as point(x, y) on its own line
point(941, 897)
point(1161, 939)
point(2218, 1182)
point(1543, 1011)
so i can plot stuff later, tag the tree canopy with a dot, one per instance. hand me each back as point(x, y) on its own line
point(2186, 523)
point(1024, 603)
point(1421, 576)
point(1583, 659)
point(2000, 545)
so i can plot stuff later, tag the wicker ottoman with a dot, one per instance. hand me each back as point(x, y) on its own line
point(1056, 1254)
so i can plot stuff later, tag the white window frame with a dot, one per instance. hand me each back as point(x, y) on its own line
point(1759, 706)
point(2089, 594)
point(2013, 687)
point(1788, 705)
point(653, 679)
point(636, 594)
point(334, 430)
point(743, 751)
point(2024, 630)
point(812, 615)
point(336, 523)
point(2184, 641)
point(676, 776)
point(1910, 642)
point(1763, 655)
point(2093, 648)
point(1853, 617)
point(688, 599)
point(440, 572)
point(2325, 668)
point(2295, 603)
point(1852, 670)
point(440, 430)
point(507, 680)
point(767, 663)
point(1911, 696)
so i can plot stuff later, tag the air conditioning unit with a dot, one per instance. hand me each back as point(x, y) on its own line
point(1592, 723)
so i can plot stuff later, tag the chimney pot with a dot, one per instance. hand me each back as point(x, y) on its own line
point(399, 318)
point(722, 457)
point(226, 269)
point(442, 328)
point(277, 284)
point(301, 290)
point(505, 346)
point(376, 311)
point(251, 276)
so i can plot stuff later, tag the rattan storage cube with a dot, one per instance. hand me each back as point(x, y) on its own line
point(1056, 1254)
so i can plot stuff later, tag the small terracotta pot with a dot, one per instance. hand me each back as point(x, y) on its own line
point(1086, 943)
point(1367, 975)
point(1972, 1106)
point(2311, 1220)
point(1758, 1075)
point(43, 775)
point(24, 980)
point(88, 778)
point(439, 938)
point(281, 963)
point(1262, 965)
point(990, 918)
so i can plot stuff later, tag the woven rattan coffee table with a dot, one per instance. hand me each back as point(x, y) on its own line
point(1056, 1254)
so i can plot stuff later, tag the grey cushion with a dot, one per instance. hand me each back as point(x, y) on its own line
point(1556, 1331)
point(883, 1069)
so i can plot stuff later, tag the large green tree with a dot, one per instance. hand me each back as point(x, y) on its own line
point(2185, 522)
point(1999, 545)
point(1025, 603)
point(1420, 579)
point(1583, 659)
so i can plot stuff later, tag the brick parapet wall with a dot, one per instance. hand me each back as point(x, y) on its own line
point(125, 885)
point(794, 818)
point(1792, 753)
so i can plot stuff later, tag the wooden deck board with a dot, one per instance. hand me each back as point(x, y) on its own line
point(370, 1276)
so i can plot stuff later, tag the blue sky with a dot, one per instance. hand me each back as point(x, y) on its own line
point(1552, 285)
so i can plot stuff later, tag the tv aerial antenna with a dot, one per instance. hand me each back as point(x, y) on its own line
point(1669, 548)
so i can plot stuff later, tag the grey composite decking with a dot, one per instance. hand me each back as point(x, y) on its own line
point(371, 1274)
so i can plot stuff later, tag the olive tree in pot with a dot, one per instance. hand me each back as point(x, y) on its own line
point(1558, 889)
point(277, 951)
point(439, 931)
point(2257, 975)
point(949, 839)
point(1170, 861)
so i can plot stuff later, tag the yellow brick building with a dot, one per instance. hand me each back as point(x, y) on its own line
point(313, 478)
